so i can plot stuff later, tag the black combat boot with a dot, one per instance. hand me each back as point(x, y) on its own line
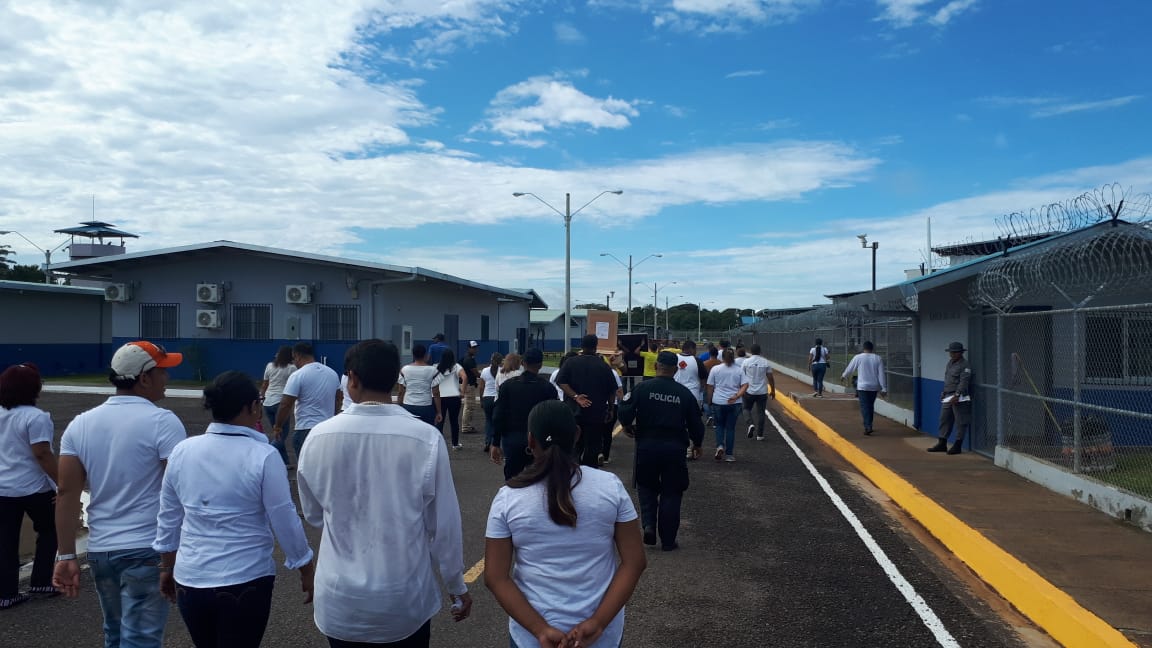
point(955, 449)
point(941, 446)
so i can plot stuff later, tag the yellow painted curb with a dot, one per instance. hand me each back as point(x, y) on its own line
point(1042, 602)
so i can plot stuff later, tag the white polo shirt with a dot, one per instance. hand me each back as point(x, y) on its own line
point(122, 445)
point(225, 492)
point(725, 381)
point(20, 427)
point(757, 370)
point(378, 481)
point(314, 387)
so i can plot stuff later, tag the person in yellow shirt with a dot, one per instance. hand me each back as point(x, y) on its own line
point(649, 354)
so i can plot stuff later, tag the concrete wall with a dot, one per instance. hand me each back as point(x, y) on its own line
point(63, 332)
point(423, 304)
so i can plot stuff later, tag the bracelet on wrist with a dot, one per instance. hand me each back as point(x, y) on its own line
point(70, 556)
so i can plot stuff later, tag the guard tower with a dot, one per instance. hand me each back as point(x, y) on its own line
point(95, 232)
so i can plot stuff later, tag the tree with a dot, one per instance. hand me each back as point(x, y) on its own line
point(5, 251)
point(22, 273)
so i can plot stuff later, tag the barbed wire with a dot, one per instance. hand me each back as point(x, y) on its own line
point(1091, 207)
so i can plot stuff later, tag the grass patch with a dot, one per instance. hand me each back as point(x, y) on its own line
point(101, 380)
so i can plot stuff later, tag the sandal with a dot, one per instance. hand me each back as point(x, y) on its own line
point(12, 602)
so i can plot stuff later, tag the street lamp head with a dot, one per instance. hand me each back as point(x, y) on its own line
point(517, 194)
point(658, 256)
point(3, 232)
point(863, 240)
point(603, 254)
point(617, 192)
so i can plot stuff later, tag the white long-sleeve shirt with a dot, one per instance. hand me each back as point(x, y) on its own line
point(224, 495)
point(869, 369)
point(378, 481)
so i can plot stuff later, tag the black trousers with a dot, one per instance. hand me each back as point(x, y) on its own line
point(592, 433)
point(450, 408)
point(232, 616)
point(419, 639)
point(41, 509)
point(661, 479)
point(516, 457)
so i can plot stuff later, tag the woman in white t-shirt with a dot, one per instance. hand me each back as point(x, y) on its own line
point(488, 392)
point(446, 385)
point(561, 526)
point(415, 383)
point(727, 385)
point(272, 390)
point(27, 483)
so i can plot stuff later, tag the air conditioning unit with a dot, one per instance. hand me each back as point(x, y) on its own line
point(298, 294)
point(207, 293)
point(209, 319)
point(117, 293)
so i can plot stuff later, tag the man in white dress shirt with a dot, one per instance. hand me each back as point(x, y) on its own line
point(378, 481)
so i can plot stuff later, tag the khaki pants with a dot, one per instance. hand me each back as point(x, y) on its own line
point(471, 405)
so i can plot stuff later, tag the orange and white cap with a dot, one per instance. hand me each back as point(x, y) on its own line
point(135, 358)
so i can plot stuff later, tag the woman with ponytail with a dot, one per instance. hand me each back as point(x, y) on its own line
point(561, 526)
point(488, 392)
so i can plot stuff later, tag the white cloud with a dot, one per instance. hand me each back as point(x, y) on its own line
point(713, 16)
point(905, 13)
point(743, 73)
point(1084, 106)
point(1047, 106)
point(568, 33)
point(543, 103)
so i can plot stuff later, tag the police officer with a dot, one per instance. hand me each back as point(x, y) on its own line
point(663, 416)
point(955, 400)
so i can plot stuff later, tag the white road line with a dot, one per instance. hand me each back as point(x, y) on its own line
point(927, 615)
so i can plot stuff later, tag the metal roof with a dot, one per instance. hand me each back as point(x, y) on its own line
point(547, 316)
point(29, 286)
point(95, 229)
point(95, 266)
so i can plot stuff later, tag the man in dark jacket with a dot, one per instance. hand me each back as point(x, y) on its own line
point(588, 381)
point(663, 416)
point(516, 399)
point(955, 400)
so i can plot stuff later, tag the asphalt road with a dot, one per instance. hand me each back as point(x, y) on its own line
point(766, 559)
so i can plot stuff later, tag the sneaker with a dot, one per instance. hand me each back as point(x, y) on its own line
point(759, 438)
point(607, 460)
point(600, 460)
point(649, 536)
point(751, 431)
point(815, 394)
point(710, 422)
point(719, 453)
point(867, 431)
point(672, 547)
point(730, 459)
point(689, 456)
point(458, 446)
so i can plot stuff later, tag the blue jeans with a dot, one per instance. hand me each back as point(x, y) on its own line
point(270, 411)
point(128, 584)
point(232, 616)
point(818, 370)
point(726, 416)
point(426, 413)
point(298, 437)
point(867, 407)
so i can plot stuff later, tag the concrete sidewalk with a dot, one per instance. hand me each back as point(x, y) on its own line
point(1101, 563)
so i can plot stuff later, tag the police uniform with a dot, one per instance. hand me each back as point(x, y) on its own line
point(957, 382)
point(666, 417)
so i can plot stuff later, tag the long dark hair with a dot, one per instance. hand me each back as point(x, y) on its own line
point(554, 427)
point(229, 394)
point(495, 361)
point(283, 356)
point(447, 360)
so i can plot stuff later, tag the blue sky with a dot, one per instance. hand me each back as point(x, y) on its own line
point(753, 139)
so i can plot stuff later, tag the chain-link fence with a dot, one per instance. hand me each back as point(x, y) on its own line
point(1074, 388)
point(787, 340)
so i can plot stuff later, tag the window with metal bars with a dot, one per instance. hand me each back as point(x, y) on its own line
point(159, 321)
point(338, 322)
point(251, 321)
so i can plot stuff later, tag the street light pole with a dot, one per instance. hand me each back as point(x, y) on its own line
point(656, 301)
point(567, 214)
point(700, 318)
point(630, 266)
point(864, 244)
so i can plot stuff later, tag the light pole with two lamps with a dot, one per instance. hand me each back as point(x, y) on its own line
point(630, 266)
point(47, 253)
point(864, 244)
point(567, 214)
point(655, 301)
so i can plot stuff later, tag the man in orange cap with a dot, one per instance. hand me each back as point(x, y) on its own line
point(120, 448)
